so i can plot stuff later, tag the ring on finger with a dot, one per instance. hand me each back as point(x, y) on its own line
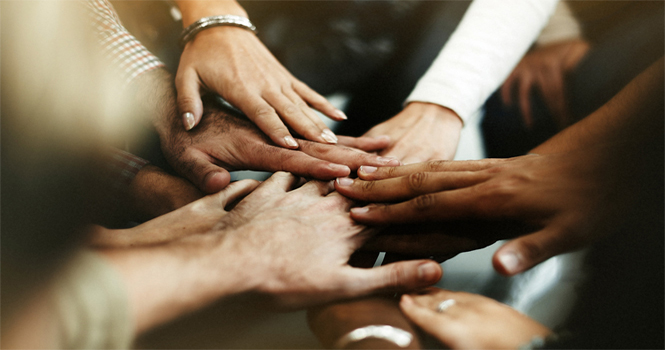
point(445, 305)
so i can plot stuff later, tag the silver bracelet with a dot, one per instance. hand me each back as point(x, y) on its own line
point(213, 21)
point(392, 334)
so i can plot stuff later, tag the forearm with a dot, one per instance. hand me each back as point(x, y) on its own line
point(171, 280)
point(489, 42)
point(634, 115)
point(195, 10)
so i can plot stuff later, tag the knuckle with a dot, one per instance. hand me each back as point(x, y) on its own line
point(435, 165)
point(416, 181)
point(264, 112)
point(396, 277)
point(532, 251)
point(367, 186)
point(424, 202)
point(186, 100)
point(291, 111)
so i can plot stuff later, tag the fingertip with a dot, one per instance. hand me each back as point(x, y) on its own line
point(188, 121)
point(329, 137)
point(290, 142)
point(216, 181)
point(406, 301)
point(429, 272)
point(508, 262)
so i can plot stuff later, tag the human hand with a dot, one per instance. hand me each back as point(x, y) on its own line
point(233, 63)
point(420, 132)
point(197, 217)
point(545, 68)
point(330, 322)
point(472, 322)
point(562, 198)
point(153, 192)
point(224, 143)
point(307, 262)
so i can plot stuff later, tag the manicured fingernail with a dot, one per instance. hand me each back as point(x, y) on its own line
point(341, 114)
point(428, 271)
point(189, 120)
point(510, 261)
point(344, 181)
point(362, 210)
point(339, 167)
point(367, 169)
point(389, 161)
point(329, 136)
point(289, 140)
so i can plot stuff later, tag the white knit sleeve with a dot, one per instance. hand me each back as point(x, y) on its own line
point(486, 46)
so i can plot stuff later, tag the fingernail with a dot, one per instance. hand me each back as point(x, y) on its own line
point(289, 140)
point(367, 169)
point(329, 136)
point(344, 181)
point(428, 271)
point(383, 137)
point(406, 300)
point(189, 120)
point(339, 167)
point(389, 161)
point(510, 261)
point(341, 114)
point(362, 210)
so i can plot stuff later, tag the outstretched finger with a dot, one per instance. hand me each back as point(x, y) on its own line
point(407, 187)
point(294, 112)
point(523, 253)
point(280, 181)
point(317, 101)
point(189, 98)
point(395, 277)
point(265, 117)
point(365, 143)
point(207, 176)
point(524, 95)
point(344, 155)
point(235, 192)
point(455, 204)
point(373, 173)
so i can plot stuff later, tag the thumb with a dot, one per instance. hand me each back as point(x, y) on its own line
point(523, 253)
point(189, 98)
point(236, 191)
point(427, 319)
point(399, 276)
point(208, 177)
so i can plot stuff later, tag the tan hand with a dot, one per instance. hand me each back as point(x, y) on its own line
point(421, 132)
point(546, 69)
point(472, 322)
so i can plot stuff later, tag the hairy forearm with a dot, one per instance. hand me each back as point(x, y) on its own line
point(634, 114)
point(171, 280)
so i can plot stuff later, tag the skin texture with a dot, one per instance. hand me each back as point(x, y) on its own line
point(420, 132)
point(305, 264)
point(545, 69)
point(233, 63)
point(222, 143)
point(473, 322)
point(576, 190)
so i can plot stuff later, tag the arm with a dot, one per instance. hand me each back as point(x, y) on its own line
point(488, 43)
point(305, 264)
point(579, 188)
point(233, 63)
point(472, 322)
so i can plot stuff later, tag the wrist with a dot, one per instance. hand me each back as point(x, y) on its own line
point(441, 113)
point(192, 11)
